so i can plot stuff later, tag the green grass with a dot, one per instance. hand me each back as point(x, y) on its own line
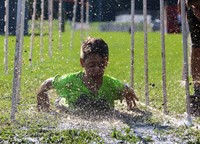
point(128, 136)
point(67, 61)
point(49, 136)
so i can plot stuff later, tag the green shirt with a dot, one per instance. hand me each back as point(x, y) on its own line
point(71, 87)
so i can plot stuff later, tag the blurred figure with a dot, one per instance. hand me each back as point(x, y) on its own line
point(193, 18)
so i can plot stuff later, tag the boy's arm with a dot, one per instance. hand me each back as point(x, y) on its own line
point(43, 103)
point(130, 97)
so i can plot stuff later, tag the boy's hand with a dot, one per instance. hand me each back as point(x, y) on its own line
point(43, 102)
point(130, 97)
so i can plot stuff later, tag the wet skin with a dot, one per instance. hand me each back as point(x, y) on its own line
point(196, 9)
point(94, 67)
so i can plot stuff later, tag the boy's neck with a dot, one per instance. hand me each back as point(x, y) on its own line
point(92, 83)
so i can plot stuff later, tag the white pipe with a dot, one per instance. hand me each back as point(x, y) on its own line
point(18, 57)
point(6, 37)
point(32, 33)
point(132, 41)
point(60, 25)
point(146, 53)
point(73, 24)
point(185, 54)
point(82, 19)
point(50, 14)
point(87, 15)
point(163, 57)
point(41, 29)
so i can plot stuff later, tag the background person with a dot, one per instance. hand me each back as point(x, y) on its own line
point(193, 18)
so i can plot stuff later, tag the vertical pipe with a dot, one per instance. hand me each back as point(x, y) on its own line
point(90, 10)
point(18, 57)
point(145, 53)
point(87, 15)
point(73, 24)
point(100, 10)
point(163, 56)
point(6, 37)
point(50, 17)
point(132, 41)
point(60, 25)
point(185, 55)
point(63, 16)
point(32, 32)
point(82, 19)
point(41, 29)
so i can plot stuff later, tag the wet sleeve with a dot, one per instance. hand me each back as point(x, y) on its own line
point(59, 84)
point(116, 87)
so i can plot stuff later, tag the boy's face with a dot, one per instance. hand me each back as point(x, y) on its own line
point(195, 6)
point(94, 65)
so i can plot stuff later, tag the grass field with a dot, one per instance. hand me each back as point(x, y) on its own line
point(67, 60)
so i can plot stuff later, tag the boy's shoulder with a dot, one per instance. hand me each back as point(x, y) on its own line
point(111, 80)
point(112, 84)
point(109, 77)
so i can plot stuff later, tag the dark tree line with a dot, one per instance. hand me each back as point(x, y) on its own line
point(100, 10)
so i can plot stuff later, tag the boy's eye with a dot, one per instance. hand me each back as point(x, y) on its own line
point(94, 65)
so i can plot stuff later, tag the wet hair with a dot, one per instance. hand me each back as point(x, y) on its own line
point(94, 46)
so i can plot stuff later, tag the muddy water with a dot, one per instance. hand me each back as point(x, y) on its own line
point(137, 120)
point(145, 124)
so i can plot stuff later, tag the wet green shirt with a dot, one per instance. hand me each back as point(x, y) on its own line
point(71, 87)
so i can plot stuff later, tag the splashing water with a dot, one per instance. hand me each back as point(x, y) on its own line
point(141, 123)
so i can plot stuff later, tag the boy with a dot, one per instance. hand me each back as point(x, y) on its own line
point(88, 89)
point(193, 18)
